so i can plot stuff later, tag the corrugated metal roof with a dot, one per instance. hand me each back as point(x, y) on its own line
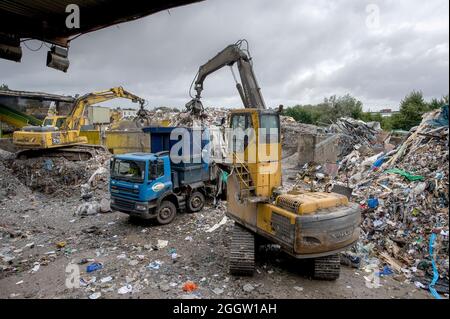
point(45, 19)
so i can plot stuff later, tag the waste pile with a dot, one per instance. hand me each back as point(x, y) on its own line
point(404, 195)
point(356, 133)
point(56, 176)
point(10, 185)
point(210, 116)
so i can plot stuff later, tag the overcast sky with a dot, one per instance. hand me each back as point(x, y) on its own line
point(303, 51)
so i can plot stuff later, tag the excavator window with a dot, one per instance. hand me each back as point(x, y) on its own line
point(269, 125)
point(240, 122)
point(48, 122)
point(60, 122)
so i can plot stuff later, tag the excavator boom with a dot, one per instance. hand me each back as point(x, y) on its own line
point(73, 120)
point(248, 89)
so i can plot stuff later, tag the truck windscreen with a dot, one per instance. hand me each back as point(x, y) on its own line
point(128, 170)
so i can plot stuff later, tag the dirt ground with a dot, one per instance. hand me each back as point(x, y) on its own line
point(33, 224)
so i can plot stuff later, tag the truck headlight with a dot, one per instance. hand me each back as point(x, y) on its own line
point(141, 207)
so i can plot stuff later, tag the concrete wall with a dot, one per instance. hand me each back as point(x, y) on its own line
point(319, 149)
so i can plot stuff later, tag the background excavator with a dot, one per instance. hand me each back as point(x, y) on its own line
point(304, 224)
point(66, 140)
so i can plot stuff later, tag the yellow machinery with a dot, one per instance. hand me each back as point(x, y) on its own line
point(304, 224)
point(66, 140)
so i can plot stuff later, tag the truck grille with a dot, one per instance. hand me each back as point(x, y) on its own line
point(129, 192)
point(123, 203)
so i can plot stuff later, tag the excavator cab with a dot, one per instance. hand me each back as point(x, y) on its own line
point(255, 151)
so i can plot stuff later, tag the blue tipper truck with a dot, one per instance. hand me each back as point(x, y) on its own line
point(154, 186)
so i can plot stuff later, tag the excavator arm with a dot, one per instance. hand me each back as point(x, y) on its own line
point(73, 121)
point(248, 89)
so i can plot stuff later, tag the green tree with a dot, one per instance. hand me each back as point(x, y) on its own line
point(411, 109)
point(438, 103)
point(329, 110)
point(300, 114)
point(4, 87)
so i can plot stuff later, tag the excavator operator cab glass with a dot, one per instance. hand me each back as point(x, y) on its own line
point(60, 122)
point(241, 124)
point(269, 128)
point(48, 122)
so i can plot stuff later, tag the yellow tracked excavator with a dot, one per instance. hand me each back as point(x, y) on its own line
point(304, 224)
point(66, 141)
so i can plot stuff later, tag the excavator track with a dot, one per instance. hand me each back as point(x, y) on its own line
point(242, 252)
point(80, 152)
point(327, 268)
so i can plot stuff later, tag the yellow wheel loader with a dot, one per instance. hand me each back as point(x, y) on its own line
point(62, 136)
point(304, 224)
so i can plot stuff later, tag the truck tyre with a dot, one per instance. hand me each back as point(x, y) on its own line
point(166, 213)
point(195, 202)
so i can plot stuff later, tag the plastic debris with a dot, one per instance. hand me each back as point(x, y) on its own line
point(95, 295)
point(218, 291)
point(222, 222)
point(61, 244)
point(410, 177)
point(106, 279)
point(435, 271)
point(189, 286)
point(94, 266)
point(125, 290)
point(154, 265)
point(248, 288)
point(385, 272)
point(162, 244)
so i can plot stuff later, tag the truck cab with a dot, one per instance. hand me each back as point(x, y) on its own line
point(140, 183)
point(148, 186)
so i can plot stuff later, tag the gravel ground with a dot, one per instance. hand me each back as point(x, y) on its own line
point(42, 247)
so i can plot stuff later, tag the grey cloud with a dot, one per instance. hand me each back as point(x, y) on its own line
point(302, 50)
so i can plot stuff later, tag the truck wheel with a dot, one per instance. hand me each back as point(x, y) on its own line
point(195, 202)
point(166, 213)
point(327, 268)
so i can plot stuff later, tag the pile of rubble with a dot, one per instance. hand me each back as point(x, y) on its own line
point(55, 176)
point(404, 194)
point(210, 116)
point(10, 186)
point(357, 133)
